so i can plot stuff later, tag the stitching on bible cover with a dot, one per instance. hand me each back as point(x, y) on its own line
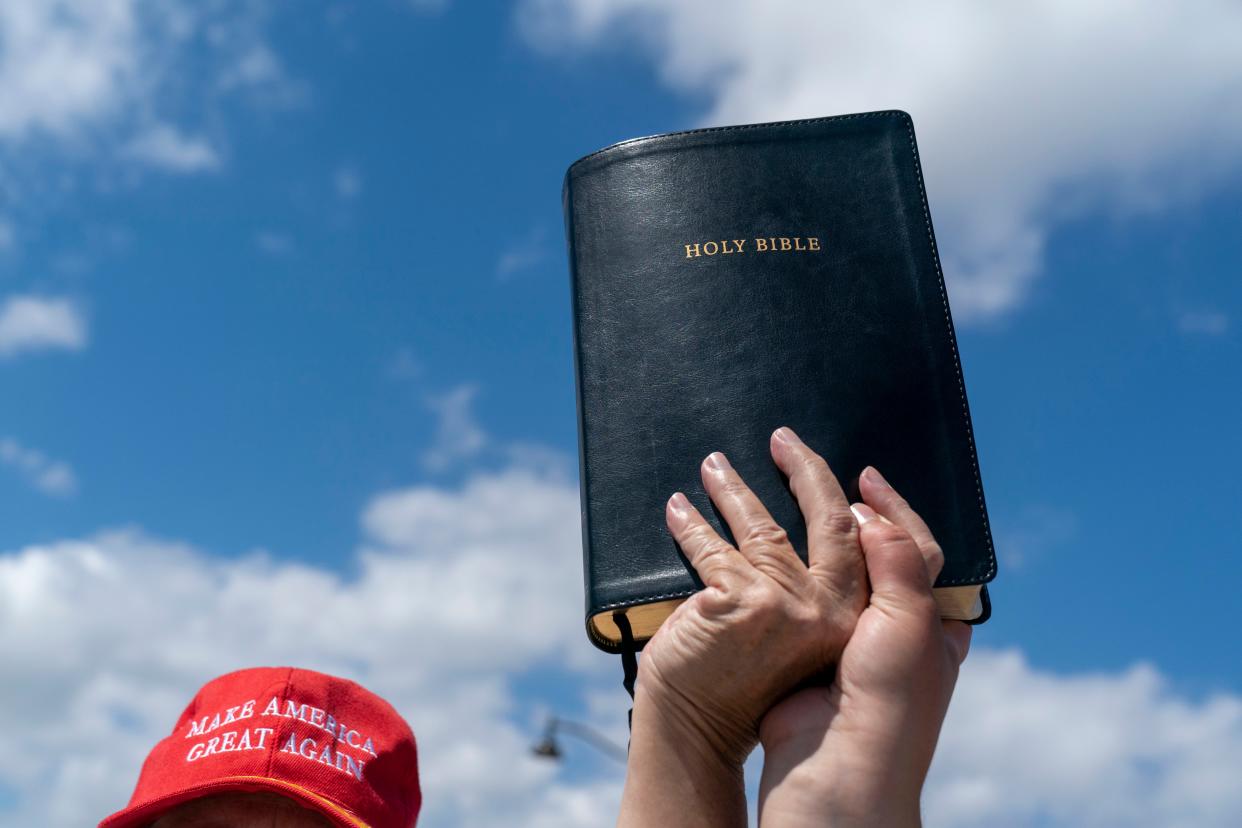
point(646, 599)
point(957, 362)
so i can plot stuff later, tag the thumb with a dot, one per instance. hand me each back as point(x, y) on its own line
point(895, 566)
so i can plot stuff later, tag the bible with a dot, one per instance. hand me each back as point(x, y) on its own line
point(727, 281)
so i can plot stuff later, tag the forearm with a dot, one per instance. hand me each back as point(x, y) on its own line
point(675, 777)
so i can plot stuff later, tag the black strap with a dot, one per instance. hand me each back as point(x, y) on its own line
point(629, 657)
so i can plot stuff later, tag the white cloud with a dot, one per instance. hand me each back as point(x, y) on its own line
point(348, 182)
point(1203, 322)
point(65, 64)
point(458, 435)
point(82, 80)
point(52, 477)
point(256, 66)
point(523, 255)
point(546, 461)
point(1032, 533)
point(1026, 112)
point(163, 146)
point(456, 598)
point(38, 323)
point(1025, 747)
point(404, 365)
point(273, 243)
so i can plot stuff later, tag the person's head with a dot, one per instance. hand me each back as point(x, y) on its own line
point(279, 748)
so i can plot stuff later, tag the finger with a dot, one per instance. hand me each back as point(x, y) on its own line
point(712, 557)
point(957, 636)
point(761, 539)
point(831, 530)
point(895, 565)
point(879, 494)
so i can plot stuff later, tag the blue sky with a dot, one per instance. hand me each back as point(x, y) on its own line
point(284, 304)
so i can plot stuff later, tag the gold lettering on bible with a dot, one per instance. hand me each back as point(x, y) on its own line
point(762, 244)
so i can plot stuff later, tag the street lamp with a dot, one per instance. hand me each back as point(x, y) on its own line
point(549, 748)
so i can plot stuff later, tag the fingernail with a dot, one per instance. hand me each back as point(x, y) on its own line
point(863, 513)
point(717, 461)
point(679, 504)
point(786, 435)
point(873, 474)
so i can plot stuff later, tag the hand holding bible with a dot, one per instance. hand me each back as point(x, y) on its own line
point(764, 621)
point(852, 751)
point(856, 752)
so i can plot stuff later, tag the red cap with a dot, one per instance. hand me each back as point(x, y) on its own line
point(325, 742)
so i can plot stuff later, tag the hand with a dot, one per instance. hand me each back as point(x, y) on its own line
point(763, 623)
point(856, 752)
point(765, 620)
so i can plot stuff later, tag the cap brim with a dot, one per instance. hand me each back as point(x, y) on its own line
point(140, 814)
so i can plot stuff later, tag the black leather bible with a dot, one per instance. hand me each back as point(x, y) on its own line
point(732, 280)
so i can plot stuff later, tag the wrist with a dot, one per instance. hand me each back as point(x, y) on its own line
point(799, 789)
point(668, 722)
point(786, 815)
point(726, 736)
point(675, 774)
